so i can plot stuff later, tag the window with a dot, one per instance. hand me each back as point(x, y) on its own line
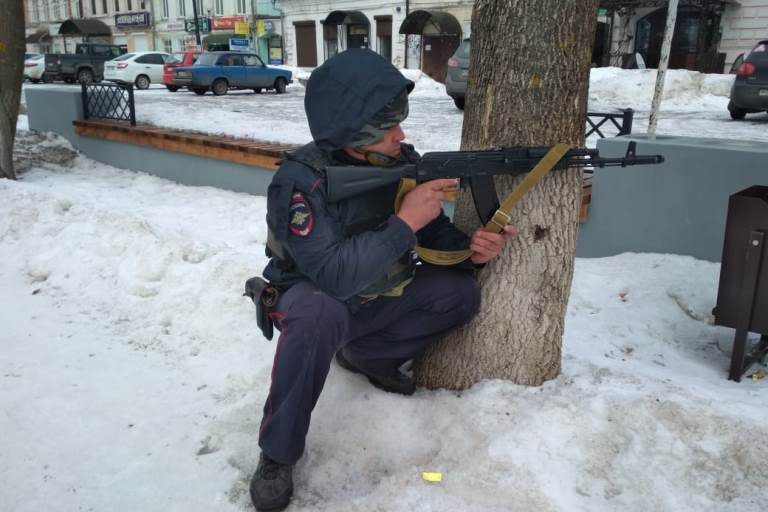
point(167, 45)
point(199, 7)
point(117, 5)
point(384, 36)
point(252, 60)
point(182, 8)
point(100, 49)
point(240, 6)
point(151, 58)
point(104, 6)
point(130, 6)
point(93, 7)
point(165, 9)
point(231, 60)
point(219, 7)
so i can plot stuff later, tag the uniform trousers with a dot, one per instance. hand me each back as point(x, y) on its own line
point(378, 337)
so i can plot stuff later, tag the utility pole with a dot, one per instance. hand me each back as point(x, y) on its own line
point(197, 24)
point(666, 46)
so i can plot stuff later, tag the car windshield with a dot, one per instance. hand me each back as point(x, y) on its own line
point(207, 59)
point(125, 56)
point(463, 51)
point(761, 48)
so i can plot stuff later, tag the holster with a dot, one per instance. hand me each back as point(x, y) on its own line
point(264, 297)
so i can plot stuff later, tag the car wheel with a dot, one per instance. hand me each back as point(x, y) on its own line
point(142, 82)
point(257, 90)
point(736, 112)
point(199, 91)
point(85, 76)
point(280, 85)
point(219, 87)
point(172, 88)
point(459, 102)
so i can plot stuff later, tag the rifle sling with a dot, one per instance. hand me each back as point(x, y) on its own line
point(499, 219)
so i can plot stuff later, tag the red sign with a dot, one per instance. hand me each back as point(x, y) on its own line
point(227, 23)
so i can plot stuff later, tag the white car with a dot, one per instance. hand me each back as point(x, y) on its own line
point(140, 68)
point(34, 67)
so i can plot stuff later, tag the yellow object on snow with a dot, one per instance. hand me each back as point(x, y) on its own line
point(432, 477)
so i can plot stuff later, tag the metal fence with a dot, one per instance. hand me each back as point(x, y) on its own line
point(109, 101)
point(622, 121)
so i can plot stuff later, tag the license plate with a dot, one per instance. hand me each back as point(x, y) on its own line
point(763, 92)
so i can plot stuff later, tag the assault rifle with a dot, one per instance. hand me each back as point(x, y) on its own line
point(474, 168)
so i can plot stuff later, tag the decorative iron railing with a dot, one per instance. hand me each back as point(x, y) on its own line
point(622, 121)
point(109, 101)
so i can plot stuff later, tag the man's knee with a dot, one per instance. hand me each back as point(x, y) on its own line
point(322, 318)
point(455, 292)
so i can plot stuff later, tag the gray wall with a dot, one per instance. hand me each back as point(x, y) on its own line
point(54, 107)
point(677, 207)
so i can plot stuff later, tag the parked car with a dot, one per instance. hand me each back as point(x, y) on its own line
point(177, 60)
point(749, 92)
point(221, 71)
point(140, 68)
point(86, 65)
point(457, 73)
point(34, 67)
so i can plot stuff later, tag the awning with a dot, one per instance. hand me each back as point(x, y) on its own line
point(38, 37)
point(350, 17)
point(218, 38)
point(446, 23)
point(88, 27)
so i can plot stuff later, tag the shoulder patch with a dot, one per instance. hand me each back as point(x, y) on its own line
point(301, 219)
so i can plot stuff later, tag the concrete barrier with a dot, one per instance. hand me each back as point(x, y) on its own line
point(53, 108)
point(678, 207)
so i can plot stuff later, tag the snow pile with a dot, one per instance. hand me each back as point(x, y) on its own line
point(133, 374)
point(426, 87)
point(633, 88)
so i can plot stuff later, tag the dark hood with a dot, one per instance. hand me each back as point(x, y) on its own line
point(346, 91)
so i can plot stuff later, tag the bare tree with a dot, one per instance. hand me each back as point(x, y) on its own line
point(11, 75)
point(528, 85)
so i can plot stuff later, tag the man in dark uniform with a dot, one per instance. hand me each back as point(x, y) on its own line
point(351, 284)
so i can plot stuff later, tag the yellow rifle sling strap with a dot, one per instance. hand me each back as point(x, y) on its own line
point(501, 217)
point(432, 256)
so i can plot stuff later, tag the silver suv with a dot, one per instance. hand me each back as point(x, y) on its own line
point(456, 77)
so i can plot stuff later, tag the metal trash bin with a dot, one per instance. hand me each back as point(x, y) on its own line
point(742, 296)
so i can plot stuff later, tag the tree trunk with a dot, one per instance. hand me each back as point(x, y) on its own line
point(12, 47)
point(528, 85)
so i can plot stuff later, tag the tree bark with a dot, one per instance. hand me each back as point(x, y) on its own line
point(528, 84)
point(12, 47)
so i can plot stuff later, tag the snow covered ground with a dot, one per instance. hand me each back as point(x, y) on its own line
point(133, 373)
point(694, 105)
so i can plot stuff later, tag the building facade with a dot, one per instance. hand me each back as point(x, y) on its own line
point(166, 25)
point(408, 34)
point(709, 34)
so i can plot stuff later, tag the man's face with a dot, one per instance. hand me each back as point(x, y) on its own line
point(389, 145)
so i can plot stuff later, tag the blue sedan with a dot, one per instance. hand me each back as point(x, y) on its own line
point(221, 71)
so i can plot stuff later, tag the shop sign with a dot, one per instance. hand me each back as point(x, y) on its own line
point(204, 24)
point(242, 27)
point(132, 19)
point(227, 23)
point(602, 12)
point(239, 44)
point(174, 26)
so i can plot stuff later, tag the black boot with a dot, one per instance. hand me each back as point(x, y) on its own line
point(271, 485)
point(393, 382)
